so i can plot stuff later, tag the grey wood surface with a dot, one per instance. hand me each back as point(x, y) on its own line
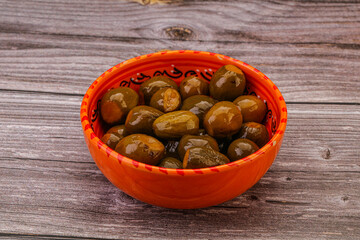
point(51, 51)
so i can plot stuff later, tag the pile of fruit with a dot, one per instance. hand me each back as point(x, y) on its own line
point(195, 125)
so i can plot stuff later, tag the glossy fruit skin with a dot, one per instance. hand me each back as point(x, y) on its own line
point(253, 109)
point(170, 162)
point(224, 119)
point(142, 148)
point(227, 83)
point(241, 148)
point(154, 84)
point(166, 100)
point(193, 85)
point(174, 125)
point(116, 104)
point(201, 157)
point(189, 141)
point(118, 130)
point(113, 136)
point(140, 120)
point(199, 105)
point(255, 132)
point(111, 140)
point(171, 148)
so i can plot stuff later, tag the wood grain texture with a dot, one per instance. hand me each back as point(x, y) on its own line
point(312, 132)
point(63, 46)
point(50, 185)
point(50, 53)
point(232, 21)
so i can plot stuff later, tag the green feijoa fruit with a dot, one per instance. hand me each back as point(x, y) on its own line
point(140, 120)
point(174, 125)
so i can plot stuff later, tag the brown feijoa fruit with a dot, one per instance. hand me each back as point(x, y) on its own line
point(193, 85)
point(255, 132)
point(227, 83)
point(241, 148)
point(154, 84)
point(166, 100)
point(113, 136)
point(189, 141)
point(116, 104)
point(224, 119)
point(201, 157)
point(170, 162)
point(141, 148)
point(199, 105)
point(253, 109)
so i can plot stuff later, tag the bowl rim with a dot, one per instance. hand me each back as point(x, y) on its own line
point(114, 156)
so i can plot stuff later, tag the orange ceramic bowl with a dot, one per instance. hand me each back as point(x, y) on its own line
point(181, 188)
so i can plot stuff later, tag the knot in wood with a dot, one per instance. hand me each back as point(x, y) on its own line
point(148, 2)
point(345, 198)
point(179, 33)
point(253, 198)
point(326, 154)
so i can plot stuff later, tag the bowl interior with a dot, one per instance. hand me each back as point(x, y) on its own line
point(177, 66)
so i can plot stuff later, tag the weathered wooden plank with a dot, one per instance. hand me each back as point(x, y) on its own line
point(51, 51)
point(304, 73)
point(35, 55)
point(250, 21)
point(6, 236)
point(50, 185)
point(38, 198)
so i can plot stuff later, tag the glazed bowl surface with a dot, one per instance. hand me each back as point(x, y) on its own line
point(181, 188)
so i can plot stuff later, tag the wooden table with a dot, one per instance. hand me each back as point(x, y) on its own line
point(51, 51)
